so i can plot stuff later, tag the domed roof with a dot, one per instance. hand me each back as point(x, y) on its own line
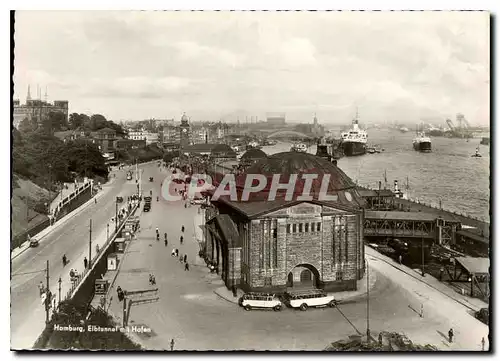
point(223, 149)
point(338, 187)
point(184, 118)
point(253, 154)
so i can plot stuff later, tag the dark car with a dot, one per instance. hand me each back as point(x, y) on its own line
point(483, 315)
point(150, 179)
point(34, 242)
point(147, 199)
point(119, 199)
point(147, 207)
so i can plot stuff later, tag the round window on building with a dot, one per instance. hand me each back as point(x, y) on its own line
point(348, 196)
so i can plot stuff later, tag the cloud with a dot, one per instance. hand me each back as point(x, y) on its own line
point(215, 63)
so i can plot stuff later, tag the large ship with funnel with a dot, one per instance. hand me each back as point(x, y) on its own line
point(354, 140)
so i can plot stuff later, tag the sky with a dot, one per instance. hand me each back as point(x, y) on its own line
point(131, 65)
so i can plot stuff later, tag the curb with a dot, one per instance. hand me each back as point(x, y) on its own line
point(225, 298)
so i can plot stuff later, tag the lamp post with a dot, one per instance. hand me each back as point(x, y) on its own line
point(107, 232)
point(116, 215)
point(423, 264)
point(47, 298)
point(367, 300)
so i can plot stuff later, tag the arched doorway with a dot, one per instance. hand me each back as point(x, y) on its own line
point(306, 277)
point(303, 276)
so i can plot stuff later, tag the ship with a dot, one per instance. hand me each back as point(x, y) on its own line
point(422, 143)
point(354, 140)
point(485, 141)
point(435, 132)
point(299, 147)
point(329, 149)
point(403, 130)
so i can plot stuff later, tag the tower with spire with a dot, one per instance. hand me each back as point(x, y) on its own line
point(28, 96)
point(184, 131)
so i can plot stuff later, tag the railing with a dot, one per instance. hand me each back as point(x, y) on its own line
point(80, 277)
point(430, 205)
point(70, 197)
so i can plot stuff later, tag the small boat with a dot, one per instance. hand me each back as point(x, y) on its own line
point(371, 150)
point(477, 155)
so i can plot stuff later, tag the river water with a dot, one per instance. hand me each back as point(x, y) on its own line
point(449, 174)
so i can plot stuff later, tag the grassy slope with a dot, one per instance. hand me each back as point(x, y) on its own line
point(22, 189)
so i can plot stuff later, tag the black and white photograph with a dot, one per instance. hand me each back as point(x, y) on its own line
point(250, 180)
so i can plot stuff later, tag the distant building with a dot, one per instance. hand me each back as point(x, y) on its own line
point(169, 134)
point(37, 109)
point(276, 119)
point(200, 134)
point(105, 139)
point(149, 137)
point(124, 144)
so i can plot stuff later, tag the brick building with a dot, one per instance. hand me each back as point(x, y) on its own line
point(271, 245)
point(37, 109)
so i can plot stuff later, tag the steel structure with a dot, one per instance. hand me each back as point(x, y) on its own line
point(410, 225)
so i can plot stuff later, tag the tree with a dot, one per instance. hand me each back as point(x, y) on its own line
point(26, 126)
point(76, 120)
point(54, 122)
point(97, 121)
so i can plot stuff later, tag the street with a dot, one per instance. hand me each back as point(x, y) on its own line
point(189, 311)
point(72, 239)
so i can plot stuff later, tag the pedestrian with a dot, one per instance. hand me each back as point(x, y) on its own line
point(186, 267)
point(119, 293)
point(41, 288)
point(450, 335)
point(176, 252)
point(400, 259)
point(95, 200)
point(172, 345)
point(185, 258)
point(482, 343)
point(153, 280)
point(150, 279)
point(441, 271)
point(97, 249)
point(182, 239)
point(180, 258)
point(173, 252)
point(85, 262)
point(182, 229)
point(380, 339)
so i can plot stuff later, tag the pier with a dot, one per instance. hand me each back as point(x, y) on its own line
point(390, 216)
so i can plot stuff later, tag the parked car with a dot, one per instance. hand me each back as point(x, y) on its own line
point(253, 300)
point(483, 315)
point(309, 298)
point(150, 179)
point(34, 242)
point(119, 199)
point(147, 207)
